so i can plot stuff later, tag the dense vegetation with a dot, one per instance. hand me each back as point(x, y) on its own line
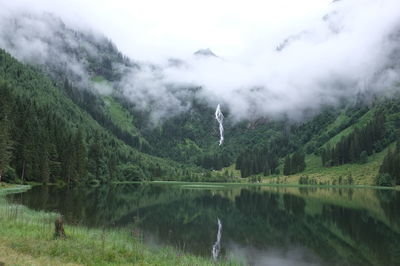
point(294, 164)
point(257, 161)
point(27, 238)
point(45, 137)
point(359, 144)
point(389, 172)
point(62, 129)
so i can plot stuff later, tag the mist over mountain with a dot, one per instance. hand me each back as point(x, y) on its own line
point(311, 89)
point(205, 52)
point(352, 49)
point(262, 107)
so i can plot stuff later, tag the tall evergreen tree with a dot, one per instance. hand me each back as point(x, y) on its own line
point(5, 138)
point(5, 147)
point(80, 156)
point(390, 168)
point(287, 168)
point(97, 164)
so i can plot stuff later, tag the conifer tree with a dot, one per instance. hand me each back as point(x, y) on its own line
point(80, 156)
point(287, 170)
point(5, 138)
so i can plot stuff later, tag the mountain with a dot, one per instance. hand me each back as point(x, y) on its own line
point(65, 117)
point(47, 137)
point(205, 52)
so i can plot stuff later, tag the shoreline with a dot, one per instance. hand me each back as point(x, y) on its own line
point(238, 184)
point(29, 236)
point(16, 188)
point(13, 188)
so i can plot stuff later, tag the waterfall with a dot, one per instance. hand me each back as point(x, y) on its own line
point(217, 246)
point(220, 118)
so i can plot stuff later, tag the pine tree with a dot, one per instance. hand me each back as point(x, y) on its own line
point(80, 156)
point(287, 170)
point(97, 165)
point(5, 138)
point(389, 172)
point(5, 147)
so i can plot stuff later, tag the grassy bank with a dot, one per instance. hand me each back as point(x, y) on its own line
point(265, 182)
point(26, 238)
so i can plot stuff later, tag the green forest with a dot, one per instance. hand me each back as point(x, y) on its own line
point(46, 137)
point(52, 131)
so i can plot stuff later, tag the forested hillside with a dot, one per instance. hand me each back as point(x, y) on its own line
point(65, 117)
point(45, 137)
point(351, 134)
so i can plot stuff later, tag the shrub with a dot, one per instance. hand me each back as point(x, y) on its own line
point(303, 180)
point(363, 157)
point(10, 175)
point(384, 180)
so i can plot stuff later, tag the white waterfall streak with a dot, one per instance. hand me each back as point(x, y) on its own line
point(220, 118)
point(217, 246)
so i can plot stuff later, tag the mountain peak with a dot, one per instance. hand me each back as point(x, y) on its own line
point(205, 52)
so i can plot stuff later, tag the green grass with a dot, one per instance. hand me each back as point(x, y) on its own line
point(202, 186)
point(338, 121)
point(28, 235)
point(6, 188)
point(362, 174)
point(361, 122)
point(120, 116)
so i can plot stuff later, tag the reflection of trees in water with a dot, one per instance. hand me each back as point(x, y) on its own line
point(262, 219)
point(189, 222)
point(390, 203)
point(94, 206)
point(265, 219)
point(294, 204)
point(259, 219)
point(307, 190)
point(367, 233)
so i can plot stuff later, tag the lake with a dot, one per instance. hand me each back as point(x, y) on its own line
point(260, 225)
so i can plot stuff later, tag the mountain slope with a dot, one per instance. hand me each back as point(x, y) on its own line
point(52, 139)
point(85, 92)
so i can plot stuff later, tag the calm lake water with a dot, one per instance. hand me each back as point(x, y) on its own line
point(260, 225)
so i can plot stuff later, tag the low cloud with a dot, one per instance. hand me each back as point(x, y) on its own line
point(350, 49)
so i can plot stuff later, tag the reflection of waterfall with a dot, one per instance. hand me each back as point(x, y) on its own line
point(217, 246)
point(220, 118)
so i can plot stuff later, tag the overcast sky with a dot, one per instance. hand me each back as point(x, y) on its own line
point(334, 50)
point(155, 29)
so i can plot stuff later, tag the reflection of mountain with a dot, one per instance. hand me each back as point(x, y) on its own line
point(98, 206)
point(263, 220)
point(256, 220)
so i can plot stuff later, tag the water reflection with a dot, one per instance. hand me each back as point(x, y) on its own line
point(262, 225)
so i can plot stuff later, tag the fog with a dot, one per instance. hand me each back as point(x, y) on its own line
point(272, 59)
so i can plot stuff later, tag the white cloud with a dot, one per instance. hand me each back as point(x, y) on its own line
point(154, 29)
point(333, 50)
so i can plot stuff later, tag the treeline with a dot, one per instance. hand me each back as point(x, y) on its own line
point(37, 145)
point(316, 129)
point(214, 161)
point(256, 161)
point(294, 164)
point(41, 147)
point(45, 137)
point(358, 145)
point(389, 172)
